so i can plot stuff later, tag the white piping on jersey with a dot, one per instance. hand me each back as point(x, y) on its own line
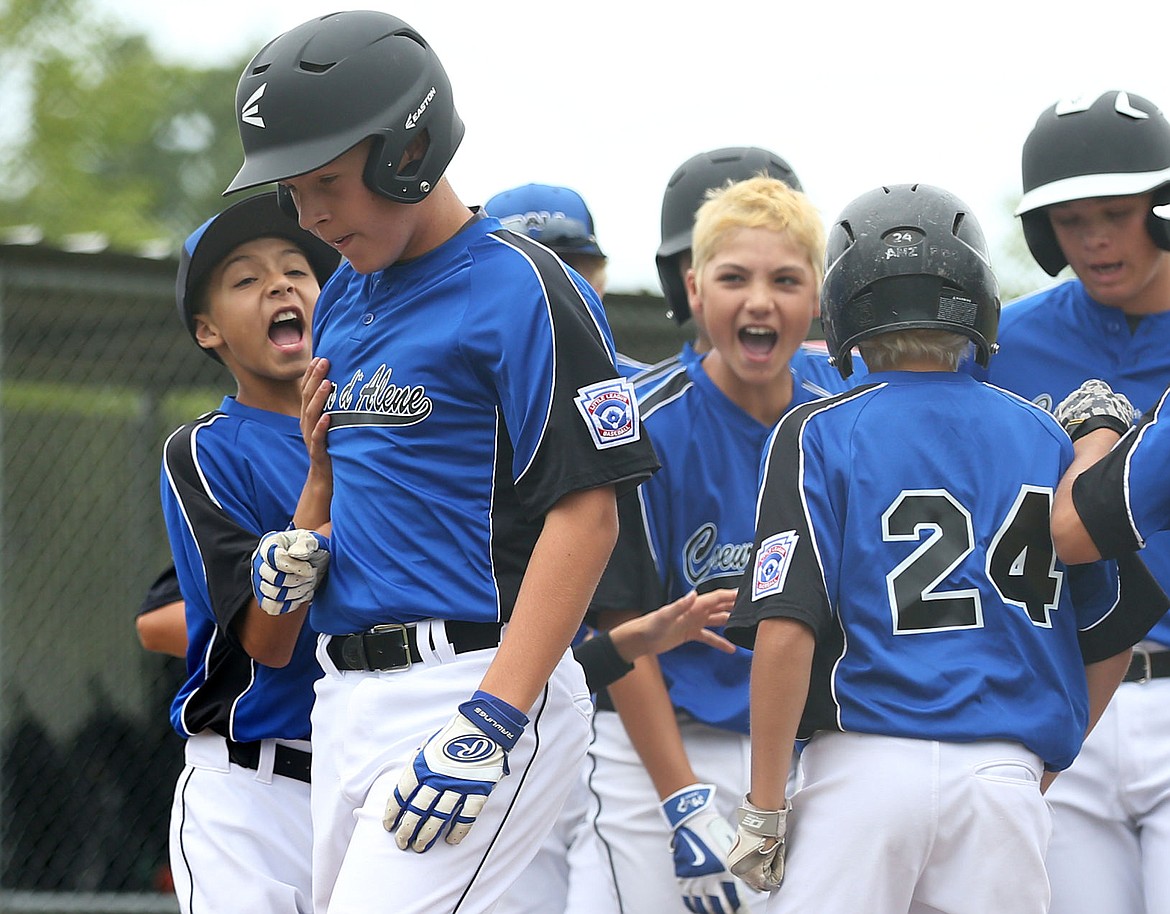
point(1138, 538)
point(552, 348)
point(1109, 612)
point(819, 407)
point(491, 537)
point(204, 421)
point(646, 532)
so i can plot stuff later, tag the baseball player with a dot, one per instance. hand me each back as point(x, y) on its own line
point(240, 826)
point(1096, 180)
point(685, 192)
point(478, 433)
point(669, 766)
point(558, 218)
point(906, 608)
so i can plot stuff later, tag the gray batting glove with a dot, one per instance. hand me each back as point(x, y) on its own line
point(757, 856)
point(1095, 405)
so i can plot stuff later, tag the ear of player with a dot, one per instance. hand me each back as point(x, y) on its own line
point(757, 856)
point(1095, 405)
point(287, 568)
point(445, 785)
point(700, 844)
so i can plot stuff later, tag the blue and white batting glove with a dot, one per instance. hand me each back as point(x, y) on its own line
point(447, 782)
point(757, 857)
point(700, 844)
point(287, 568)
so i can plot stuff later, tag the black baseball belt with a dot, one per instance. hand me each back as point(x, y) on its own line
point(395, 647)
point(289, 762)
point(1147, 665)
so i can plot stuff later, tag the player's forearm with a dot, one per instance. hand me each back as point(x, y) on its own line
point(268, 639)
point(567, 561)
point(643, 703)
point(1073, 544)
point(781, 663)
point(1102, 679)
point(164, 630)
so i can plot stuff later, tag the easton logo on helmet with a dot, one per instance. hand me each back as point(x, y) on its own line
point(250, 113)
point(413, 119)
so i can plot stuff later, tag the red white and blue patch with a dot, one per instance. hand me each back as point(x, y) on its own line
point(772, 562)
point(610, 411)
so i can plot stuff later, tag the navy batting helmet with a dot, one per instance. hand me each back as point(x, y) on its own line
point(903, 257)
point(686, 192)
point(1115, 145)
point(318, 90)
point(555, 216)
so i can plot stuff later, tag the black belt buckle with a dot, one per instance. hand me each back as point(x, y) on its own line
point(1142, 656)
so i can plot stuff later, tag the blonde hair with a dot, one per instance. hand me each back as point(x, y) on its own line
point(889, 351)
point(759, 202)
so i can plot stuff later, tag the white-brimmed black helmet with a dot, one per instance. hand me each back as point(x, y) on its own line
point(904, 257)
point(321, 88)
point(687, 191)
point(1117, 144)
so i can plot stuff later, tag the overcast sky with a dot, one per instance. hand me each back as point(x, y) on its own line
point(610, 96)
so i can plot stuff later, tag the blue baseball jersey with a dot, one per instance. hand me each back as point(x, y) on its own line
point(474, 387)
point(690, 528)
point(1124, 500)
point(906, 523)
point(810, 362)
point(227, 478)
point(1052, 341)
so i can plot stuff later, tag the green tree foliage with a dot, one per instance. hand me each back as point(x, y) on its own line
point(100, 135)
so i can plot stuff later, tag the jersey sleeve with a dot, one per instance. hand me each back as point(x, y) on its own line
point(572, 419)
point(631, 581)
point(1117, 604)
point(1123, 499)
point(162, 591)
point(785, 576)
point(212, 526)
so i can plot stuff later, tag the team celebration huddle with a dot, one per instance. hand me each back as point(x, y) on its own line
point(481, 615)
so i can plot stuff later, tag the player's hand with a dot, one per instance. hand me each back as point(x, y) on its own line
point(287, 568)
point(689, 618)
point(447, 782)
point(1095, 405)
point(757, 856)
point(700, 844)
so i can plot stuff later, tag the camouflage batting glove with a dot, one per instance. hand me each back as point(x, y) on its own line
point(1095, 405)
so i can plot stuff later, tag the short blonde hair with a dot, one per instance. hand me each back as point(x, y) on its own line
point(889, 351)
point(759, 202)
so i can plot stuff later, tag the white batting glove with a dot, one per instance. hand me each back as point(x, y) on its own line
point(451, 775)
point(757, 856)
point(700, 843)
point(1095, 405)
point(287, 568)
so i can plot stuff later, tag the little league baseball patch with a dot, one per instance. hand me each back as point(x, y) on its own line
point(610, 413)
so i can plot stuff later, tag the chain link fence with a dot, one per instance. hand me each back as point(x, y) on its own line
point(95, 371)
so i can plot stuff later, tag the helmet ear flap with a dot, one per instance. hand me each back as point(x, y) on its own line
point(1158, 220)
point(284, 199)
point(1042, 241)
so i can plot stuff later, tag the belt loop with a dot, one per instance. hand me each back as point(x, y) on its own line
point(433, 643)
point(1147, 665)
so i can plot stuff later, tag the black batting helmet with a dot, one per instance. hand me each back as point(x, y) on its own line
point(687, 190)
point(1115, 145)
point(321, 88)
point(903, 257)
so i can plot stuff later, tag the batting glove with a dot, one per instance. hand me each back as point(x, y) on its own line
point(447, 782)
point(700, 843)
point(1095, 405)
point(287, 568)
point(757, 856)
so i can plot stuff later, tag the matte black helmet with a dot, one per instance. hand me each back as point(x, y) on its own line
point(903, 257)
point(687, 190)
point(321, 88)
point(1115, 145)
